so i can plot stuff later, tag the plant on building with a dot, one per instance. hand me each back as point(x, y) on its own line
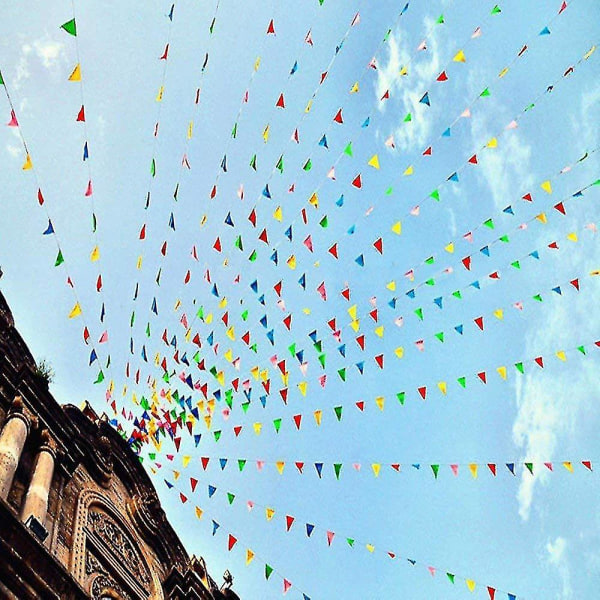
point(44, 370)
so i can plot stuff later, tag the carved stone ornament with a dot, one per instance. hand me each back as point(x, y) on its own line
point(114, 537)
point(102, 460)
point(105, 587)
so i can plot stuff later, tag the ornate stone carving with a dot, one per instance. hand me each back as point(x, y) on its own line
point(114, 537)
point(102, 460)
point(106, 587)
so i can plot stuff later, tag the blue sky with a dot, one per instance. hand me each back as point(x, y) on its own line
point(528, 535)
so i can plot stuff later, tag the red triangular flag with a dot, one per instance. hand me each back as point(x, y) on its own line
point(338, 117)
point(81, 114)
point(357, 183)
point(466, 261)
point(280, 102)
point(289, 520)
point(232, 542)
point(442, 76)
point(427, 151)
point(482, 376)
point(298, 420)
point(473, 159)
point(378, 243)
point(479, 322)
point(271, 27)
point(263, 237)
point(423, 392)
point(333, 250)
point(540, 361)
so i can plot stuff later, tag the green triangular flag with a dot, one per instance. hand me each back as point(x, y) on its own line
point(386, 37)
point(457, 294)
point(489, 223)
point(504, 238)
point(348, 149)
point(253, 162)
point(440, 20)
point(230, 497)
point(1, 79)
point(228, 398)
point(153, 168)
point(132, 320)
point(400, 396)
point(538, 297)
point(200, 313)
point(430, 281)
point(496, 10)
point(234, 131)
point(279, 165)
point(277, 424)
point(338, 412)
point(581, 349)
point(245, 406)
point(59, 259)
point(440, 336)
point(70, 27)
point(435, 469)
point(100, 378)
point(238, 242)
point(307, 165)
point(419, 313)
point(268, 571)
point(408, 118)
point(241, 464)
point(450, 577)
point(529, 467)
point(217, 435)
point(462, 382)
point(342, 374)
point(430, 260)
point(148, 330)
point(322, 358)
point(323, 222)
point(485, 93)
point(519, 367)
point(245, 315)
point(252, 256)
point(318, 346)
point(350, 542)
point(435, 195)
point(292, 349)
point(389, 191)
point(337, 467)
point(516, 264)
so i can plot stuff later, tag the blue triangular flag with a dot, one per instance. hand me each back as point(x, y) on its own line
point(323, 142)
point(425, 99)
point(49, 229)
point(360, 260)
point(459, 329)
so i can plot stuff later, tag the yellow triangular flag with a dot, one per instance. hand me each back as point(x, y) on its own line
point(221, 377)
point(374, 161)
point(186, 461)
point(399, 352)
point(409, 170)
point(473, 469)
point(207, 420)
point(280, 466)
point(318, 414)
point(291, 262)
point(208, 319)
point(354, 88)
point(228, 355)
point(355, 325)
point(95, 255)
point(223, 302)
point(380, 401)
point(376, 468)
point(391, 286)
point(449, 248)
point(314, 200)
point(249, 556)
point(397, 227)
point(190, 130)
point(352, 312)
point(28, 164)
point(568, 466)
point(264, 374)
point(379, 331)
point(266, 134)
point(139, 263)
point(257, 428)
point(493, 143)
point(561, 355)
point(547, 186)
point(199, 512)
point(499, 314)
point(76, 311)
point(370, 547)
point(76, 74)
point(285, 378)
point(176, 475)
point(470, 584)
point(572, 237)
point(589, 52)
point(203, 220)
point(403, 71)
point(302, 387)
point(255, 371)
point(459, 57)
point(159, 96)
point(542, 218)
point(231, 334)
point(308, 106)
point(269, 512)
point(257, 63)
point(278, 214)
point(503, 72)
point(443, 387)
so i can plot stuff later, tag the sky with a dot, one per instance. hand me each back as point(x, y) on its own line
point(414, 215)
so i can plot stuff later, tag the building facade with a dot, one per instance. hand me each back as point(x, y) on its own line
point(79, 516)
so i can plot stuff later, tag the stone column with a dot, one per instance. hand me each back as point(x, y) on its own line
point(12, 439)
point(36, 500)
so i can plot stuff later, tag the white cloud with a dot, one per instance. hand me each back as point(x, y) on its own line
point(549, 405)
point(406, 91)
point(557, 558)
point(48, 51)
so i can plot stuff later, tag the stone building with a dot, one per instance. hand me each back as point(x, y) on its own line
point(79, 517)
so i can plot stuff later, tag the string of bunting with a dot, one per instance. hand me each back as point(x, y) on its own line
point(329, 535)
point(77, 310)
point(185, 165)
